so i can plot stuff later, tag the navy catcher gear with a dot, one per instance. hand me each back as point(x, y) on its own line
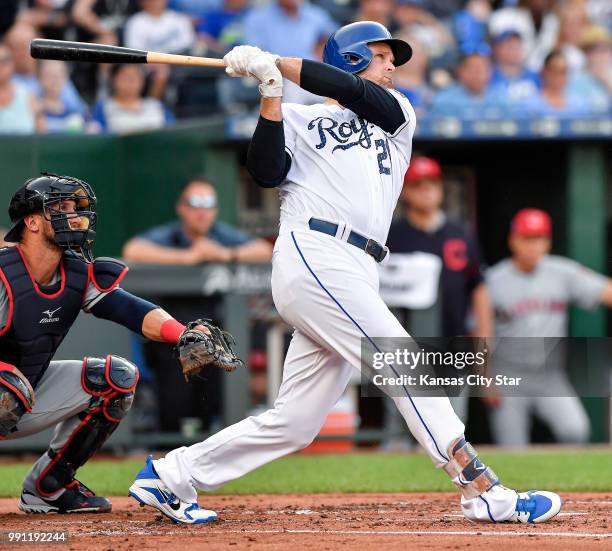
point(73, 230)
point(347, 48)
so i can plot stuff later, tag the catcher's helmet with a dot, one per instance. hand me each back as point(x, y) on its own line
point(348, 49)
point(72, 230)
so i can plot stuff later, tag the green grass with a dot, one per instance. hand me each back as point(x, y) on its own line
point(565, 470)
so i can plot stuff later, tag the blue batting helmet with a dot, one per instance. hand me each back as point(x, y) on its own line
point(348, 49)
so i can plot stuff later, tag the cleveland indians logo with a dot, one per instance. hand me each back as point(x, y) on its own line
point(342, 133)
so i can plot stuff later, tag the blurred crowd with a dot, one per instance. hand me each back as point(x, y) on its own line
point(472, 58)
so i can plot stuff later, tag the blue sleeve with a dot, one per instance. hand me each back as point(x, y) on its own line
point(98, 115)
point(123, 308)
point(226, 235)
point(159, 235)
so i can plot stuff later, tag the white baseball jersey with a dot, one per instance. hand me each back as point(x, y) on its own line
point(344, 169)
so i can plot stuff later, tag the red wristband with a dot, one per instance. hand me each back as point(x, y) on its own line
point(171, 330)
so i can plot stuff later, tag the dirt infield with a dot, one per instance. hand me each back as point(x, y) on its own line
point(354, 521)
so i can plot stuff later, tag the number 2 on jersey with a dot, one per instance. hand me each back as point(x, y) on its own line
point(383, 156)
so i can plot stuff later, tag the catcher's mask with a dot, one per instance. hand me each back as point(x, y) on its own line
point(73, 225)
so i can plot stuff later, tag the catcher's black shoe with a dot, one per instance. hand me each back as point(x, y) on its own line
point(76, 498)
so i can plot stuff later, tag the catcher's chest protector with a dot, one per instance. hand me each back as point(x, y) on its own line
point(38, 322)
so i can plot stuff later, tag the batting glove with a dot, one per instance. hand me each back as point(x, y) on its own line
point(237, 59)
point(263, 68)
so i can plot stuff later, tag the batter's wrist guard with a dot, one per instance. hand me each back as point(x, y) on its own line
point(468, 472)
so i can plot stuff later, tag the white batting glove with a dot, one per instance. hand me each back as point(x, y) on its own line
point(263, 68)
point(237, 58)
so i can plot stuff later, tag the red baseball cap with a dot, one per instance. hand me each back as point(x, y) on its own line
point(531, 223)
point(422, 167)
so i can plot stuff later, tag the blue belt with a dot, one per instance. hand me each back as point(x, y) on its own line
point(371, 247)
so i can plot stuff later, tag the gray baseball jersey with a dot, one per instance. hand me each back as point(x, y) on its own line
point(535, 304)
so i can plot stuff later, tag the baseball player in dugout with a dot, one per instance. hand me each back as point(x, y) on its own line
point(46, 279)
point(531, 293)
point(339, 167)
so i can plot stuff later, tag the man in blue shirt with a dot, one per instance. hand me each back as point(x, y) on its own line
point(197, 236)
point(509, 72)
point(472, 97)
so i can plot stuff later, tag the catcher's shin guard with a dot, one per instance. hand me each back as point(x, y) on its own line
point(111, 382)
point(468, 472)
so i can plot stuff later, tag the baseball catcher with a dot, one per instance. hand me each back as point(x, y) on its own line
point(46, 279)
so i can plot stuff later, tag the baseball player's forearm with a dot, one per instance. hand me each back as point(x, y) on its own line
point(123, 308)
point(363, 97)
point(267, 161)
point(606, 294)
point(160, 326)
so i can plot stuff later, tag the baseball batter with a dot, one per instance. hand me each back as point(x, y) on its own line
point(339, 167)
point(531, 293)
point(46, 279)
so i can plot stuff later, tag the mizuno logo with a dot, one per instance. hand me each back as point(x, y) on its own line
point(50, 318)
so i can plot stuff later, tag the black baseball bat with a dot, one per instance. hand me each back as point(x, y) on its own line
point(63, 50)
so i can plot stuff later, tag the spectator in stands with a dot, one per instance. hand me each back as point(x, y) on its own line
point(159, 29)
point(594, 84)
point(509, 71)
point(537, 24)
point(472, 97)
point(223, 28)
point(531, 293)
point(58, 118)
point(380, 11)
point(126, 110)
point(600, 12)
point(19, 109)
point(411, 78)
point(49, 17)
point(573, 22)
point(8, 14)
point(197, 236)
point(18, 40)
point(195, 9)
point(470, 25)
point(101, 20)
point(412, 16)
point(555, 98)
point(288, 28)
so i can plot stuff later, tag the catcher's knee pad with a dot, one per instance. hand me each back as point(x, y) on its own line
point(468, 472)
point(111, 381)
point(16, 397)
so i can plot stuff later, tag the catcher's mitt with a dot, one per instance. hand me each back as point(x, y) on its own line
point(197, 349)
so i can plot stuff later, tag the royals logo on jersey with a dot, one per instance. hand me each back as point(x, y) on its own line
point(344, 168)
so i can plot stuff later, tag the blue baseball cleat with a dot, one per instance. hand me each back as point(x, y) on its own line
point(536, 506)
point(149, 489)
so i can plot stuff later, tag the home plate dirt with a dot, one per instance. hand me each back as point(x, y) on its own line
point(324, 521)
